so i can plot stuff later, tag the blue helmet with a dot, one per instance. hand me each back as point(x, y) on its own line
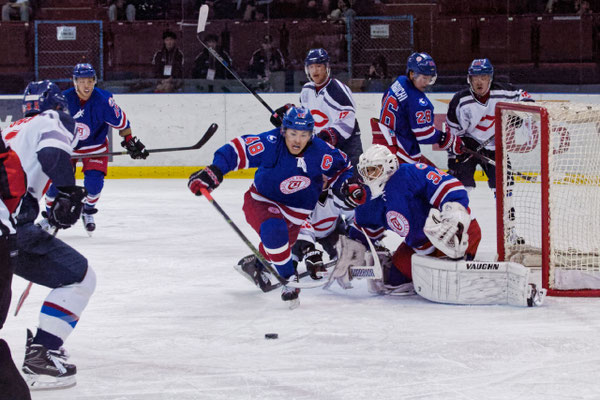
point(316, 56)
point(481, 66)
point(84, 71)
point(41, 96)
point(421, 64)
point(298, 118)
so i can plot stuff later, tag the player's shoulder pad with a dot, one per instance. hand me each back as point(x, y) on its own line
point(339, 94)
point(272, 136)
point(399, 88)
point(69, 92)
point(104, 94)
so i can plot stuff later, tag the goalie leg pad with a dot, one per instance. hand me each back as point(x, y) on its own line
point(350, 252)
point(471, 282)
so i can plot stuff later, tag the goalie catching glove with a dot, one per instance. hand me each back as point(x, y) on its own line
point(67, 206)
point(208, 178)
point(447, 229)
point(134, 147)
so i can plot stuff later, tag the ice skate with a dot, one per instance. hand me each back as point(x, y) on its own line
point(255, 272)
point(47, 369)
point(87, 216)
point(290, 294)
point(536, 296)
point(45, 224)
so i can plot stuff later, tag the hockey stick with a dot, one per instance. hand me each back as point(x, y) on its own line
point(255, 251)
point(202, 18)
point(22, 298)
point(207, 135)
point(304, 274)
point(491, 162)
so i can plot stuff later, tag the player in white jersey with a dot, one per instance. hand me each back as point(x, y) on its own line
point(331, 104)
point(44, 140)
point(471, 115)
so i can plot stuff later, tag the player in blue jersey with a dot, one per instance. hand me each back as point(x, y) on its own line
point(95, 111)
point(402, 197)
point(44, 141)
point(292, 169)
point(406, 118)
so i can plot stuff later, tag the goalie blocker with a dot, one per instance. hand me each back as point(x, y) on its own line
point(474, 282)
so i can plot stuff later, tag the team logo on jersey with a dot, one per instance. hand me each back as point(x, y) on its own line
point(321, 119)
point(422, 102)
point(326, 162)
point(82, 131)
point(398, 223)
point(272, 138)
point(294, 184)
point(274, 210)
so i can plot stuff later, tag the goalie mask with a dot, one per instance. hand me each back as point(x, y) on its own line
point(376, 165)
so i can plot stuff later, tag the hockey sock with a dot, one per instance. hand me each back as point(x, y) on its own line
point(93, 182)
point(62, 308)
point(274, 236)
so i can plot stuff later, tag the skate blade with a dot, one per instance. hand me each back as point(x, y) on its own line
point(44, 382)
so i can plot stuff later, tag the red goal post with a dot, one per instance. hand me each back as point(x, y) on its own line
point(548, 192)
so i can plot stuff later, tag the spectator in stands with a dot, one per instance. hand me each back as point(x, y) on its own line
point(375, 81)
point(16, 8)
point(168, 63)
point(208, 67)
point(583, 7)
point(152, 9)
point(560, 7)
point(121, 10)
point(265, 60)
point(342, 12)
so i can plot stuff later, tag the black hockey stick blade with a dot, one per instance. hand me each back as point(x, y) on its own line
point(205, 138)
point(255, 251)
point(487, 160)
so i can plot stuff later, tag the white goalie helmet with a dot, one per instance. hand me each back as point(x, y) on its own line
point(376, 165)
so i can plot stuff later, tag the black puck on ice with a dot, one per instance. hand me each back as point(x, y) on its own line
point(271, 336)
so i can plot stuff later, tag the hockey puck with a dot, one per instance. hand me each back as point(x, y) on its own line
point(271, 336)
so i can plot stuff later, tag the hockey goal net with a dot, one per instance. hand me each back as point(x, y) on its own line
point(548, 192)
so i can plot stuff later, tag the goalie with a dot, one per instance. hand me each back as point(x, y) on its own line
point(429, 208)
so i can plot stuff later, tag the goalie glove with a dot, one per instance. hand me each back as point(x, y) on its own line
point(67, 206)
point(447, 229)
point(135, 148)
point(208, 178)
point(350, 253)
point(277, 116)
point(353, 194)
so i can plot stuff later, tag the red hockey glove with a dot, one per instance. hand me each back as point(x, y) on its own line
point(451, 142)
point(208, 178)
point(134, 147)
point(353, 194)
point(329, 135)
point(277, 117)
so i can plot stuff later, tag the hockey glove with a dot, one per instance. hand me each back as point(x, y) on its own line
point(329, 135)
point(451, 142)
point(67, 206)
point(353, 194)
point(313, 259)
point(277, 117)
point(134, 147)
point(208, 178)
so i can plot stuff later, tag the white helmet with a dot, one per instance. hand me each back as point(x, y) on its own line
point(376, 166)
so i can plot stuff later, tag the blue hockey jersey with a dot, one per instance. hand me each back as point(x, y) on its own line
point(93, 118)
point(408, 196)
point(292, 182)
point(408, 113)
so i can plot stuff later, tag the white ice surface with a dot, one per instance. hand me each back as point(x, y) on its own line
point(171, 319)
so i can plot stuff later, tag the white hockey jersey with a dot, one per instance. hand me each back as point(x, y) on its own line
point(468, 117)
point(28, 136)
point(331, 107)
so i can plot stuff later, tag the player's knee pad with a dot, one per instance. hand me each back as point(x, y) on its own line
point(274, 233)
point(93, 181)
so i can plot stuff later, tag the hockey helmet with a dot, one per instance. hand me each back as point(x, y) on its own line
point(298, 118)
point(41, 96)
point(481, 66)
point(376, 165)
point(84, 70)
point(316, 56)
point(421, 64)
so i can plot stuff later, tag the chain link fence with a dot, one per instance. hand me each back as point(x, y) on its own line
point(387, 41)
point(59, 45)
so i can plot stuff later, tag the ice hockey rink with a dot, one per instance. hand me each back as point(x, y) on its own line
point(171, 319)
